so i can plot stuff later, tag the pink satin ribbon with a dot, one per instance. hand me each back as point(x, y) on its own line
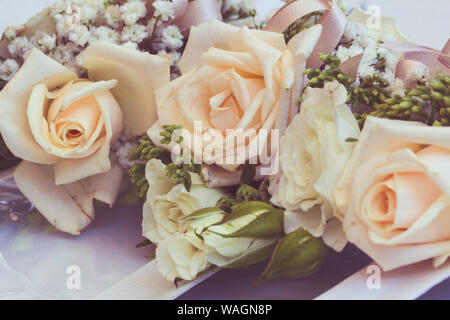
point(333, 24)
point(192, 13)
point(436, 61)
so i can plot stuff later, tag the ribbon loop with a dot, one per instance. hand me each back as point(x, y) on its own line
point(333, 24)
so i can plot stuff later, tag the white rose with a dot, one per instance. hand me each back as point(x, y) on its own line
point(180, 252)
point(313, 153)
point(168, 203)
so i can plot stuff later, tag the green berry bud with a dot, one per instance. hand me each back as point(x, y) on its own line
point(438, 85)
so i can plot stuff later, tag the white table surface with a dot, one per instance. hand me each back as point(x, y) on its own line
point(106, 251)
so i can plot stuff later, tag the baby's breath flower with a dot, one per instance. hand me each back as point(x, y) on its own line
point(8, 69)
point(46, 41)
point(132, 11)
point(164, 10)
point(397, 87)
point(134, 33)
point(130, 45)
point(172, 37)
point(79, 35)
point(10, 33)
point(113, 15)
point(20, 46)
point(345, 53)
point(418, 72)
point(103, 34)
point(87, 14)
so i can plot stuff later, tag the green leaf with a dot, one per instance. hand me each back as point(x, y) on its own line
point(251, 220)
point(296, 255)
point(252, 257)
point(202, 213)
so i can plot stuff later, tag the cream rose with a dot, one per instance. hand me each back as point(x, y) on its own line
point(393, 196)
point(63, 128)
point(314, 151)
point(233, 78)
point(180, 252)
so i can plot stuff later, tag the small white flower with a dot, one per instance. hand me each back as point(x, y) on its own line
point(133, 11)
point(20, 46)
point(8, 69)
point(79, 35)
point(113, 15)
point(344, 53)
point(130, 45)
point(103, 34)
point(390, 57)
point(69, 56)
point(418, 72)
point(99, 5)
point(46, 41)
point(397, 87)
point(10, 33)
point(134, 33)
point(87, 14)
point(360, 34)
point(172, 37)
point(122, 150)
point(164, 10)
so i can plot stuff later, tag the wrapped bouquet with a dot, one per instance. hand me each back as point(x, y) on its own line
point(245, 138)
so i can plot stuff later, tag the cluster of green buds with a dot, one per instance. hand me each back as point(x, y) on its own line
point(330, 72)
point(438, 92)
point(426, 102)
point(147, 150)
point(301, 24)
point(167, 134)
point(245, 192)
point(137, 177)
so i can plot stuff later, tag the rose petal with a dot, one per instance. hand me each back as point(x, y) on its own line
point(68, 208)
point(205, 36)
point(70, 170)
point(138, 74)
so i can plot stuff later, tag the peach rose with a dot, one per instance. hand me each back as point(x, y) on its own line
point(234, 78)
point(393, 196)
point(63, 128)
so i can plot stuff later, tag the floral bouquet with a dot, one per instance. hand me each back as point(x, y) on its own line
point(245, 138)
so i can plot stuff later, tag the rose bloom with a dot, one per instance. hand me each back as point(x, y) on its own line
point(63, 128)
point(314, 151)
point(393, 196)
point(232, 78)
point(180, 253)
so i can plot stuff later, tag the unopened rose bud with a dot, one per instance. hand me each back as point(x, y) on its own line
point(247, 193)
point(297, 255)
